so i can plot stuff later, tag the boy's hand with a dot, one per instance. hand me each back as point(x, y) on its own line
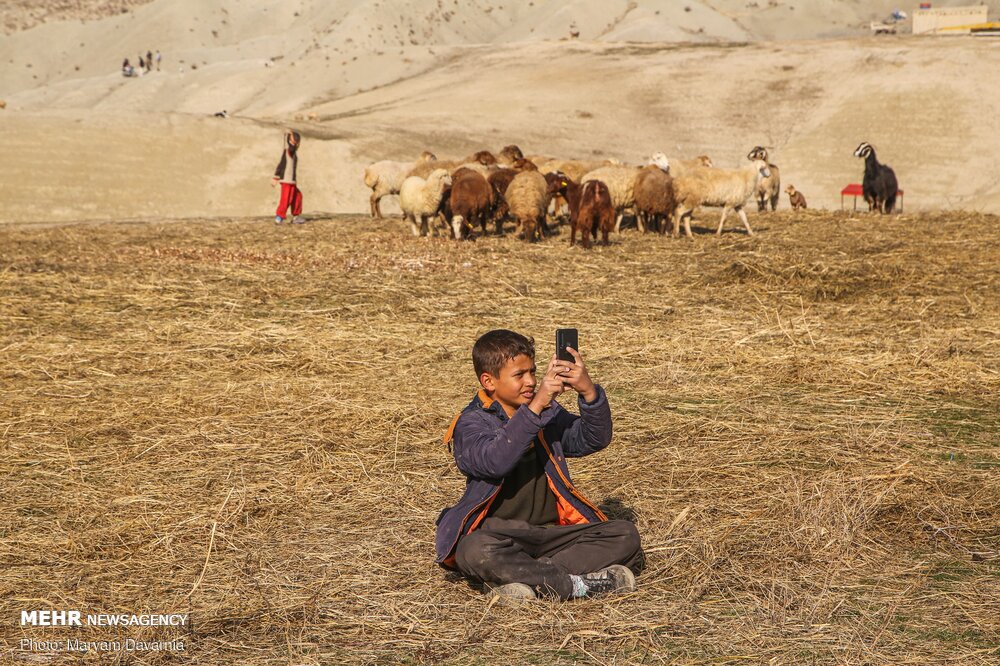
point(274, 180)
point(575, 376)
point(550, 388)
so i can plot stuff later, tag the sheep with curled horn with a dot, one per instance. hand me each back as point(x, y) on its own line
point(769, 188)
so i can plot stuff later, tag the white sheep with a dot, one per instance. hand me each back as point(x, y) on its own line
point(574, 169)
point(729, 188)
point(620, 180)
point(679, 167)
point(386, 176)
point(420, 198)
point(527, 198)
point(477, 161)
point(768, 189)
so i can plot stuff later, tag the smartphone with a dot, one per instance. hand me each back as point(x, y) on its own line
point(566, 337)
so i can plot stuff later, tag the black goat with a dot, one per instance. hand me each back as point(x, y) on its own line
point(880, 186)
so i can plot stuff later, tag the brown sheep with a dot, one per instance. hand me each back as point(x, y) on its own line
point(558, 183)
point(509, 155)
point(795, 198)
point(572, 198)
point(595, 212)
point(499, 180)
point(484, 157)
point(654, 197)
point(469, 203)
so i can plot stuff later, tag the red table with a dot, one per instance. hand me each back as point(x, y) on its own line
point(855, 190)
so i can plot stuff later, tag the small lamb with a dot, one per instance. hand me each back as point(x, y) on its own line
point(795, 198)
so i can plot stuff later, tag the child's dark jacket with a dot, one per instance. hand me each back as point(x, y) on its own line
point(488, 445)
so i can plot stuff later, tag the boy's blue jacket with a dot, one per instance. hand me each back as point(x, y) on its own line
point(488, 445)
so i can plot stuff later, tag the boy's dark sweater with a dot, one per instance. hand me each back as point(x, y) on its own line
point(525, 493)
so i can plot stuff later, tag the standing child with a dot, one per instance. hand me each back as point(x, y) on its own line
point(291, 195)
point(522, 527)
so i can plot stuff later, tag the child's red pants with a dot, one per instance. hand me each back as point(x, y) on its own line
point(290, 196)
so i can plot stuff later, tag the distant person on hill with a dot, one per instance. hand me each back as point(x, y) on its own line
point(158, 58)
point(126, 68)
point(142, 65)
point(149, 61)
point(521, 527)
point(285, 174)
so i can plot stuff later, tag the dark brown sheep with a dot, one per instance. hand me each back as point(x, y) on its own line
point(470, 202)
point(654, 197)
point(596, 212)
point(499, 180)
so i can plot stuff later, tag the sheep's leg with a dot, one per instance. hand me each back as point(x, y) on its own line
point(424, 231)
point(413, 223)
point(743, 216)
point(618, 223)
point(373, 204)
point(456, 226)
point(544, 230)
point(640, 222)
point(687, 223)
point(725, 211)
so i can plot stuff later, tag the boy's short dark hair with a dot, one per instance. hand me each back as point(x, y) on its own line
point(493, 349)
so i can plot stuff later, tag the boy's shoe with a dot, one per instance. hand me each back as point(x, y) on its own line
point(519, 591)
point(616, 578)
point(298, 219)
point(278, 219)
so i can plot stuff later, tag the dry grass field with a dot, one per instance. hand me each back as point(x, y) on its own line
point(243, 422)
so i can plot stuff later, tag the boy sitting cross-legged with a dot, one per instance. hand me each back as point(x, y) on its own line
point(522, 527)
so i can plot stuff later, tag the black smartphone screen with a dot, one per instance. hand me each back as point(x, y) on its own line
point(566, 337)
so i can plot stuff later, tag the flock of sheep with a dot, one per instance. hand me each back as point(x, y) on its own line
point(483, 188)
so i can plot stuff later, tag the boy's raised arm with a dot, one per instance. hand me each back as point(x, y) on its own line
point(588, 433)
point(483, 453)
point(591, 431)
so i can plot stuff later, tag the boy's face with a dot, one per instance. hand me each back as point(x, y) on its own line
point(515, 385)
